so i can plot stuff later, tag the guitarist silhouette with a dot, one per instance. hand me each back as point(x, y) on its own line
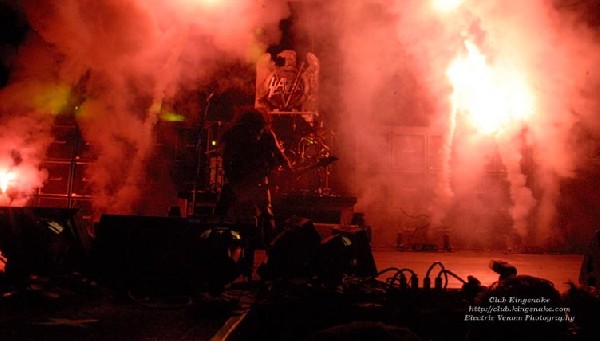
point(251, 152)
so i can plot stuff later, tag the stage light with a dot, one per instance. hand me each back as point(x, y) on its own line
point(51, 98)
point(363, 263)
point(55, 226)
point(171, 116)
point(222, 256)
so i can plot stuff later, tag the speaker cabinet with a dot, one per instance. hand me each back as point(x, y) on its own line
point(39, 240)
point(156, 254)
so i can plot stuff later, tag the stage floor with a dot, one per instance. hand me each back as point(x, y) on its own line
point(558, 268)
point(423, 311)
point(97, 315)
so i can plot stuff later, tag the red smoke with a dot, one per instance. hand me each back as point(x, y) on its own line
point(130, 59)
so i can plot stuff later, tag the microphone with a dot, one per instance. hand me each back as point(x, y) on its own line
point(209, 97)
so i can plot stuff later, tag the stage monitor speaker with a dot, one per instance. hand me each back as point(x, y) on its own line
point(151, 254)
point(332, 260)
point(589, 274)
point(291, 250)
point(362, 261)
point(39, 240)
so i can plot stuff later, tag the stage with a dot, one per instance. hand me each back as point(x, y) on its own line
point(558, 268)
point(75, 309)
point(440, 130)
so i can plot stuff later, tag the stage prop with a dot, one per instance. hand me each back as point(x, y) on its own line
point(288, 89)
point(39, 241)
point(284, 87)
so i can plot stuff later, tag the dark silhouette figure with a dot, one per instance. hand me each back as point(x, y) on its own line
point(251, 152)
point(585, 307)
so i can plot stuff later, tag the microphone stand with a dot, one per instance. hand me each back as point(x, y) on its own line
point(200, 152)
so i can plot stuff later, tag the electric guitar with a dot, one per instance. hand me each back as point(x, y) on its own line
point(303, 169)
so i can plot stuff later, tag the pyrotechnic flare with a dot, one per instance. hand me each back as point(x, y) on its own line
point(6, 177)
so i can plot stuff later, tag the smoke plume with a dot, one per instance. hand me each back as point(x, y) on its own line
point(119, 64)
point(396, 56)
